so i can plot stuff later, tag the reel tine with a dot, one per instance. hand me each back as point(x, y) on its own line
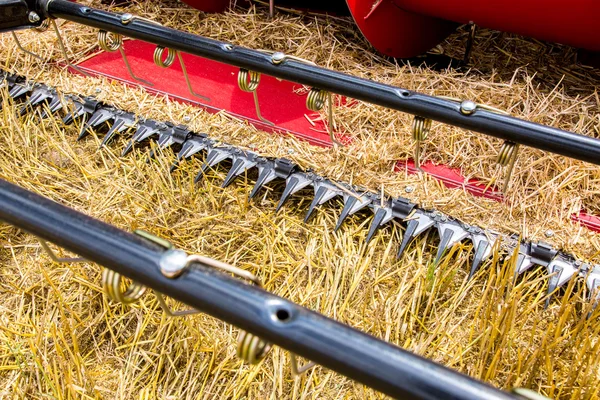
point(324, 191)
point(168, 61)
point(145, 129)
point(111, 42)
point(294, 183)
point(298, 370)
point(23, 49)
point(101, 116)
point(111, 284)
point(417, 224)
point(122, 122)
point(63, 49)
point(55, 258)
point(195, 144)
point(215, 156)
point(450, 232)
point(242, 162)
point(353, 203)
point(248, 81)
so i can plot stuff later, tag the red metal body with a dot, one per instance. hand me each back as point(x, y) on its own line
point(406, 28)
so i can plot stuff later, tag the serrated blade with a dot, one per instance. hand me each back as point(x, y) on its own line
point(19, 90)
point(482, 250)
point(352, 204)
point(54, 105)
point(215, 156)
point(145, 130)
point(294, 183)
point(382, 216)
point(242, 162)
point(419, 223)
point(122, 122)
point(266, 175)
point(324, 191)
point(39, 95)
point(450, 234)
point(560, 271)
point(101, 116)
point(193, 145)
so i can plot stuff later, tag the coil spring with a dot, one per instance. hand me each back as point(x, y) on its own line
point(315, 101)
point(43, 26)
point(420, 128)
point(111, 283)
point(248, 80)
point(251, 348)
point(109, 42)
point(506, 154)
point(158, 57)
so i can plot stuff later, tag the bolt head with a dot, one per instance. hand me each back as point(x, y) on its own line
point(291, 151)
point(549, 233)
point(468, 107)
point(126, 18)
point(33, 17)
point(277, 58)
point(187, 118)
point(173, 263)
point(409, 189)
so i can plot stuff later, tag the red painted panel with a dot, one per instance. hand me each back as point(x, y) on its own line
point(279, 100)
point(572, 22)
point(452, 178)
point(589, 221)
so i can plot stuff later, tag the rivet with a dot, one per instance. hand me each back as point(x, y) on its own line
point(173, 263)
point(277, 58)
point(549, 233)
point(126, 18)
point(468, 107)
point(409, 189)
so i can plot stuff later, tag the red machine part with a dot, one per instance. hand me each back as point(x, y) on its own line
point(406, 28)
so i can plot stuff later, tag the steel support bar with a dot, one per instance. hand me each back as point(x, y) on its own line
point(359, 356)
point(447, 111)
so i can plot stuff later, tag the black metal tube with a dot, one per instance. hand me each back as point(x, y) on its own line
point(359, 356)
point(498, 125)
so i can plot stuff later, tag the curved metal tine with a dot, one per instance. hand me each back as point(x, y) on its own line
point(511, 167)
point(298, 370)
point(61, 44)
point(167, 310)
point(126, 61)
point(187, 78)
point(470, 40)
point(330, 122)
point(57, 259)
point(23, 49)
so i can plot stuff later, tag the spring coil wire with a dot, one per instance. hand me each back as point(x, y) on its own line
point(420, 128)
point(506, 154)
point(315, 101)
point(109, 42)
point(111, 283)
point(251, 348)
point(158, 57)
point(248, 81)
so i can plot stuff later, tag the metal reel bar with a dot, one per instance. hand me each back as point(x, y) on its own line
point(248, 81)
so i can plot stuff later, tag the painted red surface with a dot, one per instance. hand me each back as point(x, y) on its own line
point(280, 101)
point(452, 178)
point(589, 221)
point(209, 5)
